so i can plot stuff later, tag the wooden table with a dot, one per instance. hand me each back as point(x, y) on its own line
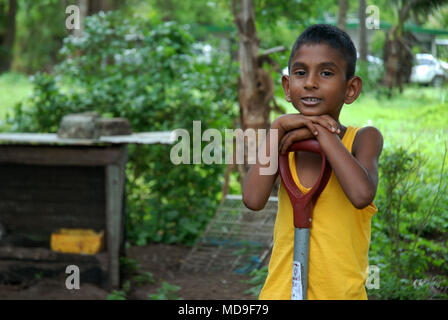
point(51, 183)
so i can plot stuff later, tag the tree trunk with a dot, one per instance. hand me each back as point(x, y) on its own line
point(395, 49)
point(255, 85)
point(83, 12)
point(362, 31)
point(91, 7)
point(96, 6)
point(342, 15)
point(8, 42)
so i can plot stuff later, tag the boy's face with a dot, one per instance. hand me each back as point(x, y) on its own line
point(317, 82)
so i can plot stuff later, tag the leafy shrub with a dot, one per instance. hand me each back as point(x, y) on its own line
point(166, 292)
point(257, 280)
point(116, 295)
point(408, 201)
point(148, 73)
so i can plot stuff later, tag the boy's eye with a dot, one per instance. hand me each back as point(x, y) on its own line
point(327, 73)
point(299, 73)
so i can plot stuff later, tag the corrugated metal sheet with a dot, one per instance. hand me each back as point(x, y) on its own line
point(163, 137)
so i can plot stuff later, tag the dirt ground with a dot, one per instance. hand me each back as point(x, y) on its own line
point(162, 261)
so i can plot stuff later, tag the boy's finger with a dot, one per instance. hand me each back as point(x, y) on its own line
point(325, 121)
point(310, 125)
point(328, 125)
point(284, 144)
point(289, 139)
point(281, 144)
point(292, 136)
point(282, 148)
point(282, 141)
point(333, 125)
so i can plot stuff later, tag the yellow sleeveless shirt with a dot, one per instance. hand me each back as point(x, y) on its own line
point(339, 243)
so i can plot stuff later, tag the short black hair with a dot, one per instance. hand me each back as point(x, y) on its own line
point(332, 36)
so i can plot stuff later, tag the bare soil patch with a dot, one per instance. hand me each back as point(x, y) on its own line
point(162, 261)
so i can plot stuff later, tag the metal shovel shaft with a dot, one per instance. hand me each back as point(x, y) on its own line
point(300, 263)
point(302, 205)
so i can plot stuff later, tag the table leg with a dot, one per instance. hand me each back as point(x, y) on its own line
point(114, 195)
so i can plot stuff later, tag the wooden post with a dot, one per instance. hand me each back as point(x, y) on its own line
point(362, 31)
point(115, 178)
point(342, 14)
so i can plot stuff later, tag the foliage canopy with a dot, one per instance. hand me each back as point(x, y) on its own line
point(148, 73)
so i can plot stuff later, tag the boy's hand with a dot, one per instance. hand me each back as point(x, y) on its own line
point(296, 127)
point(293, 136)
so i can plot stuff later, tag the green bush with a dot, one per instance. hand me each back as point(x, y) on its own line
point(149, 73)
point(166, 292)
point(407, 233)
point(257, 280)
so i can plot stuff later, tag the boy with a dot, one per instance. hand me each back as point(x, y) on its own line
point(321, 79)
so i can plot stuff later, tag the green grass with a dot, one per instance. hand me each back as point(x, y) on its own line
point(14, 87)
point(417, 119)
point(417, 109)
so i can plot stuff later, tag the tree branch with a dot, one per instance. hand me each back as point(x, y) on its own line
point(272, 50)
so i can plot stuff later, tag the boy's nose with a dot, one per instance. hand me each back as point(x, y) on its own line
point(310, 82)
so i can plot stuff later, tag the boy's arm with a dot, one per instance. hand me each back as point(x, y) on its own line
point(357, 173)
point(258, 187)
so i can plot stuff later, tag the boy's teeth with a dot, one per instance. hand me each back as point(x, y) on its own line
point(311, 99)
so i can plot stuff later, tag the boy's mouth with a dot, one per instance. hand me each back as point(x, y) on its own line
point(310, 101)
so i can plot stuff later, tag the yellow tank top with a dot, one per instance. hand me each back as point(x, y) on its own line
point(339, 243)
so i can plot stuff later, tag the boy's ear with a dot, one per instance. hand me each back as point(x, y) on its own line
point(285, 84)
point(353, 91)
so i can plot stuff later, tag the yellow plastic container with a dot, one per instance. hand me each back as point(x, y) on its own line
point(81, 241)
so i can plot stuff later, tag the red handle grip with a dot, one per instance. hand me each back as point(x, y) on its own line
point(302, 204)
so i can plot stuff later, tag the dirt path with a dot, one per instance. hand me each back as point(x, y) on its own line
point(161, 261)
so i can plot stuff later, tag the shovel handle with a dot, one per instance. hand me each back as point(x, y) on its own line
point(302, 204)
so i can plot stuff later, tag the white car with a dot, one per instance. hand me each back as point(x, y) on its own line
point(429, 70)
